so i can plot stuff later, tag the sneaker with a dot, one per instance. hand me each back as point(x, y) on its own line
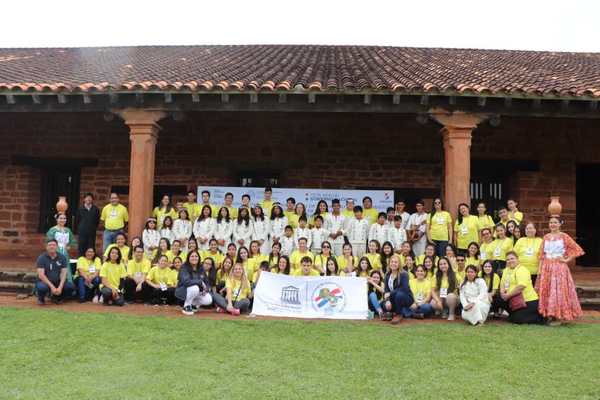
point(81, 301)
point(396, 319)
point(100, 299)
point(96, 299)
point(41, 302)
point(187, 310)
point(387, 316)
point(381, 315)
point(195, 308)
point(451, 317)
point(418, 316)
point(235, 311)
point(220, 310)
point(444, 315)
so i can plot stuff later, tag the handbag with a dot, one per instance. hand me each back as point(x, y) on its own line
point(517, 302)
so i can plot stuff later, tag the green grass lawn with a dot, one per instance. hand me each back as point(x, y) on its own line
point(58, 355)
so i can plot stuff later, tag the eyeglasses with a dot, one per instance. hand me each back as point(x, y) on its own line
point(326, 247)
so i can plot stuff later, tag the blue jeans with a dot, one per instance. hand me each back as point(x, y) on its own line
point(108, 238)
point(43, 290)
point(426, 309)
point(374, 302)
point(402, 302)
point(440, 247)
point(85, 292)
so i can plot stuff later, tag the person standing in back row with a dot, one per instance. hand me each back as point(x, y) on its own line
point(115, 217)
point(88, 218)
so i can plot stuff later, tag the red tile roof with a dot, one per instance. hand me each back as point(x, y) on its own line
point(288, 68)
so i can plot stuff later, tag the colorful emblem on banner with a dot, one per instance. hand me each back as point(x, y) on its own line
point(328, 297)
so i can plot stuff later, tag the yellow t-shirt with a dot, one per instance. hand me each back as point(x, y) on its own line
point(88, 266)
point(444, 284)
point(171, 256)
point(297, 256)
point(439, 226)
point(124, 252)
point(193, 210)
point(213, 208)
point(292, 218)
point(113, 273)
point(370, 214)
point(233, 212)
point(472, 261)
point(496, 284)
point(485, 221)
point(313, 272)
point(499, 248)
point(160, 213)
point(519, 276)
point(254, 264)
point(348, 213)
point(375, 260)
point(486, 251)
point(528, 250)
point(342, 264)
point(266, 205)
point(218, 257)
point(114, 217)
point(420, 289)
point(235, 286)
point(164, 275)
point(134, 267)
point(174, 276)
point(419, 260)
point(321, 260)
point(467, 232)
point(517, 216)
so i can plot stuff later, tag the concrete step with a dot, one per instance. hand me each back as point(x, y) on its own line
point(17, 276)
point(16, 287)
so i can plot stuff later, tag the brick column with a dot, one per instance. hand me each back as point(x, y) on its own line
point(456, 133)
point(143, 133)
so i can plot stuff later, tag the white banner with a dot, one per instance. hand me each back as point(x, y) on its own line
point(382, 199)
point(332, 297)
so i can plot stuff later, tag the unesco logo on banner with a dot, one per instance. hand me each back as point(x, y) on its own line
point(328, 298)
point(290, 295)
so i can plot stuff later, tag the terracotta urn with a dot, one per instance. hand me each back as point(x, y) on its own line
point(62, 206)
point(554, 208)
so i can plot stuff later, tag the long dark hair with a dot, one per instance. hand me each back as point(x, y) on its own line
point(212, 273)
point(220, 218)
point(432, 213)
point(271, 253)
point(459, 216)
point(317, 211)
point(201, 217)
point(337, 268)
point(474, 268)
point(169, 206)
point(245, 219)
point(371, 288)
point(491, 275)
point(187, 260)
point(281, 215)
point(286, 271)
point(260, 217)
point(451, 276)
point(159, 251)
point(384, 258)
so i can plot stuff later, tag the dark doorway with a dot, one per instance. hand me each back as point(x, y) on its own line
point(588, 214)
point(55, 182)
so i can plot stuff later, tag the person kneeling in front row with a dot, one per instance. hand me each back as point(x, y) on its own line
point(52, 275)
point(136, 288)
point(112, 275)
point(474, 297)
point(193, 285)
point(238, 295)
point(162, 282)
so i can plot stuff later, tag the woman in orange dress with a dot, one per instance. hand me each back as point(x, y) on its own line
point(558, 298)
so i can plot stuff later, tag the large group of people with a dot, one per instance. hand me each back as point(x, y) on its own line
point(421, 265)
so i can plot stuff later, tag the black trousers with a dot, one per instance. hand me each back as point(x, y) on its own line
point(163, 296)
point(527, 315)
point(86, 241)
point(132, 295)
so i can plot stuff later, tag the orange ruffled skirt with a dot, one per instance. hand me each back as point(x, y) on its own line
point(556, 289)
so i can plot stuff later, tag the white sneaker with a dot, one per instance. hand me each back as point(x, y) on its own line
point(100, 299)
point(95, 299)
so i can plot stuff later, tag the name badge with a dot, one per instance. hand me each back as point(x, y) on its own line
point(113, 213)
point(441, 220)
point(443, 293)
point(464, 230)
point(138, 274)
point(497, 252)
point(92, 269)
point(483, 255)
point(163, 286)
point(529, 252)
point(420, 297)
point(507, 284)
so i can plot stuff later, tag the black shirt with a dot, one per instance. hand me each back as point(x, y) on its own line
point(52, 266)
point(88, 220)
